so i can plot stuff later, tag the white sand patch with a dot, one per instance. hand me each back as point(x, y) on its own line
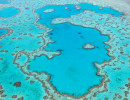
point(48, 10)
point(88, 46)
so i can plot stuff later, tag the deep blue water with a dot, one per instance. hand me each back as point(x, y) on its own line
point(8, 12)
point(3, 31)
point(73, 72)
point(4, 2)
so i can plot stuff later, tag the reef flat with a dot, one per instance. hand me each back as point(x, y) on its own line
point(42, 55)
point(3, 32)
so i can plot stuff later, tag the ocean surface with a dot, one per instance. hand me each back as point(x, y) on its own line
point(63, 69)
point(4, 2)
point(8, 12)
point(73, 71)
point(3, 31)
point(60, 11)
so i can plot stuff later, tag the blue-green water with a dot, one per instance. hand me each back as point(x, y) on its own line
point(60, 11)
point(9, 12)
point(107, 10)
point(73, 72)
point(4, 2)
point(3, 31)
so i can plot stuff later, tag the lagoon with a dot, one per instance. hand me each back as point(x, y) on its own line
point(8, 12)
point(73, 71)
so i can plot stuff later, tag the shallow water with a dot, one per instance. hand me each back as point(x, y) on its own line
point(4, 2)
point(8, 12)
point(60, 11)
point(99, 9)
point(73, 72)
point(3, 31)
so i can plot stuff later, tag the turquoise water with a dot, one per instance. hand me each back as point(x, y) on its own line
point(9, 12)
point(3, 31)
point(60, 11)
point(108, 10)
point(73, 72)
point(4, 2)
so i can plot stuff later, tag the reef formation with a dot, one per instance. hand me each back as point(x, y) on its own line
point(43, 52)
